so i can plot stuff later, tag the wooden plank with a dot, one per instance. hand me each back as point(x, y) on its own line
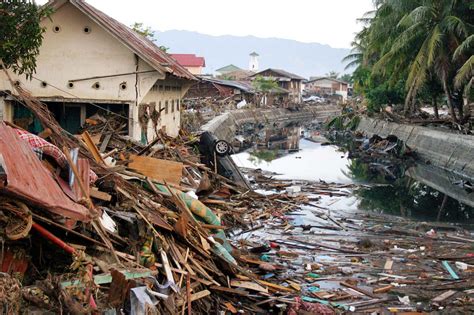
point(229, 290)
point(383, 289)
point(195, 296)
point(248, 285)
point(388, 264)
point(161, 170)
point(86, 137)
point(443, 296)
point(353, 287)
point(97, 194)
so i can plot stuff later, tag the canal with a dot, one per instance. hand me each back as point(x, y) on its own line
point(418, 195)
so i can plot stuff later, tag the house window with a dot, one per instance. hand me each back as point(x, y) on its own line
point(167, 88)
point(172, 106)
point(159, 106)
point(166, 107)
point(177, 105)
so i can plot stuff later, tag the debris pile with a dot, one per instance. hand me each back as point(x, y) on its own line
point(102, 223)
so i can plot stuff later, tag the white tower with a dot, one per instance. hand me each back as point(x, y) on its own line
point(253, 63)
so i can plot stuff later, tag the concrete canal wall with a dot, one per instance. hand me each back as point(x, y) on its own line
point(224, 126)
point(448, 150)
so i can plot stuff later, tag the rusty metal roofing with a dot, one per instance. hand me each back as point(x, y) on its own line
point(139, 44)
point(28, 179)
point(280, 72)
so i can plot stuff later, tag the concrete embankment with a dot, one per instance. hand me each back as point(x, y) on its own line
point(224, 126)
point(448, 150)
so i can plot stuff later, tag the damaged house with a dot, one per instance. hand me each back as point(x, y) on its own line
point(326, 86)
point(215, 88)
point(287, 81)
point(90, 63)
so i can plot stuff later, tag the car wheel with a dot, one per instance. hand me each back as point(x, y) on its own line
point(222, 147)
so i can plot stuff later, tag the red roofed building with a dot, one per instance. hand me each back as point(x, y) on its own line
point(191, 62)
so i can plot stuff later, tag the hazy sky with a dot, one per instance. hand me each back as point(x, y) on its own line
point(331, 22)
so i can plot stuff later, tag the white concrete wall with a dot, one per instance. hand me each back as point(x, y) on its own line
point(73, 54)
point(163, 91)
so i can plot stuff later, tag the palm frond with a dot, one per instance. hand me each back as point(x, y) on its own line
point(465, 73)
point(455, 25)
point(464, 47)
point(434, 42)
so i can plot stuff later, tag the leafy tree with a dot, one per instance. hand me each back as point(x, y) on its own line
point(21, 34)
point(427, 43)
point(146, 32)
point(346, 78)
point(264, 85)
point(332, 74)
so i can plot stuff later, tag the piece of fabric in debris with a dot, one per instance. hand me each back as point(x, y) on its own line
point(41, 146)
point(313, 308)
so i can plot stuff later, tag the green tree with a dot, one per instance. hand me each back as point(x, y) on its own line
point(332, 74)
point(346, 77)
point(427, 43)
point(264, 85)
point(146, 32)
point(21, 34)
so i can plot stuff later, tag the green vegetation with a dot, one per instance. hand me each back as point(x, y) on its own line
point(415, 51)
point(264, 85)
point(266, 155)
point(147, 32)
point(21, 34)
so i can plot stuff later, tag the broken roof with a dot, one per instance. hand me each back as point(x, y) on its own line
point(327, 78)
point(281, 73)
point(140, 45)
point(241, 85)
point(189, 60)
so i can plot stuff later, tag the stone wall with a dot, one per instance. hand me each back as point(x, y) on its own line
point(224, 126)
point(448, 150)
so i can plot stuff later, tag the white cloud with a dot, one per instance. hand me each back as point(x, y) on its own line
point(331, 22)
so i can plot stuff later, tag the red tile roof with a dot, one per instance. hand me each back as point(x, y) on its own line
point(140, 45)
point(189, 60)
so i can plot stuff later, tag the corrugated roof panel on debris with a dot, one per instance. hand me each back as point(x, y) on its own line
point(29, 180)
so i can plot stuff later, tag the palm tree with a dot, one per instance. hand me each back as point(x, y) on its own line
point(433, 31)
point(465, 74)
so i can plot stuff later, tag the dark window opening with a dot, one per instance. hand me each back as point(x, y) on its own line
point(166, 107)
point(87, 30)
point(56, 28)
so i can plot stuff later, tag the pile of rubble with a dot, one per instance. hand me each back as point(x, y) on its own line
point(101, 222)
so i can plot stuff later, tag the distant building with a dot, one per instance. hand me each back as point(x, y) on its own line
point(89, 62)
point(225, 70)
point(237, 75)
point(191, 62)
point(253, 63)
point(327, 86)
point(215, 88)
point(286, 81)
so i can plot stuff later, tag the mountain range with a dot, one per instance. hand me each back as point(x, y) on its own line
point(304, 59)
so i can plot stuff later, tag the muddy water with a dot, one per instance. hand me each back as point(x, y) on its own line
point(418, 196)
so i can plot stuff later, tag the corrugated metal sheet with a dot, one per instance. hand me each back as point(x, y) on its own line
point(142, 46)
point(29, 180)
